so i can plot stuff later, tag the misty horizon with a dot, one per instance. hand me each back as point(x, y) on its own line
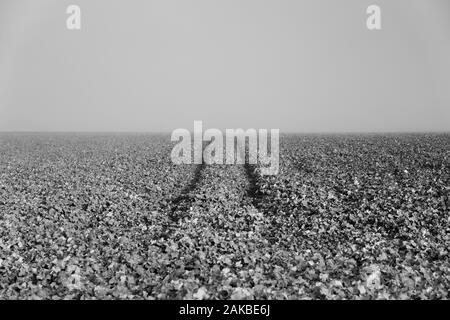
point(301, 67)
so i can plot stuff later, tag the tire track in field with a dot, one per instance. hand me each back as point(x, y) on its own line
point(214, 236)
point(221, 244)
point(180, 205)
point(222, 238)
point(253, 190)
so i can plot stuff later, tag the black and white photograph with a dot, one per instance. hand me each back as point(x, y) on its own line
point(198, 150)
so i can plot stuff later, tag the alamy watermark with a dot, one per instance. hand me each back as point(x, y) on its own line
point(373, 21)
point(73, 21)
point(249, 146)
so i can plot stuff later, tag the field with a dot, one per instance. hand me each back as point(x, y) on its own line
point(109, 216)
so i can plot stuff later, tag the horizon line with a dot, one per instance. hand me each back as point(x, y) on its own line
point(281, 132)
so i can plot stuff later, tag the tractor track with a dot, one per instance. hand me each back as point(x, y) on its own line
point(181, 203)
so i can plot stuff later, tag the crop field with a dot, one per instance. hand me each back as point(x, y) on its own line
point(109, 216)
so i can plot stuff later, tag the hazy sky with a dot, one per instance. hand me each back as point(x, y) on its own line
point(306, 66)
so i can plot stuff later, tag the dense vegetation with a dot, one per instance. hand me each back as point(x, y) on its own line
point(109, 216)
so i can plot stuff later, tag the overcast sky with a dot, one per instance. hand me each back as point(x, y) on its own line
point(305, 66)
